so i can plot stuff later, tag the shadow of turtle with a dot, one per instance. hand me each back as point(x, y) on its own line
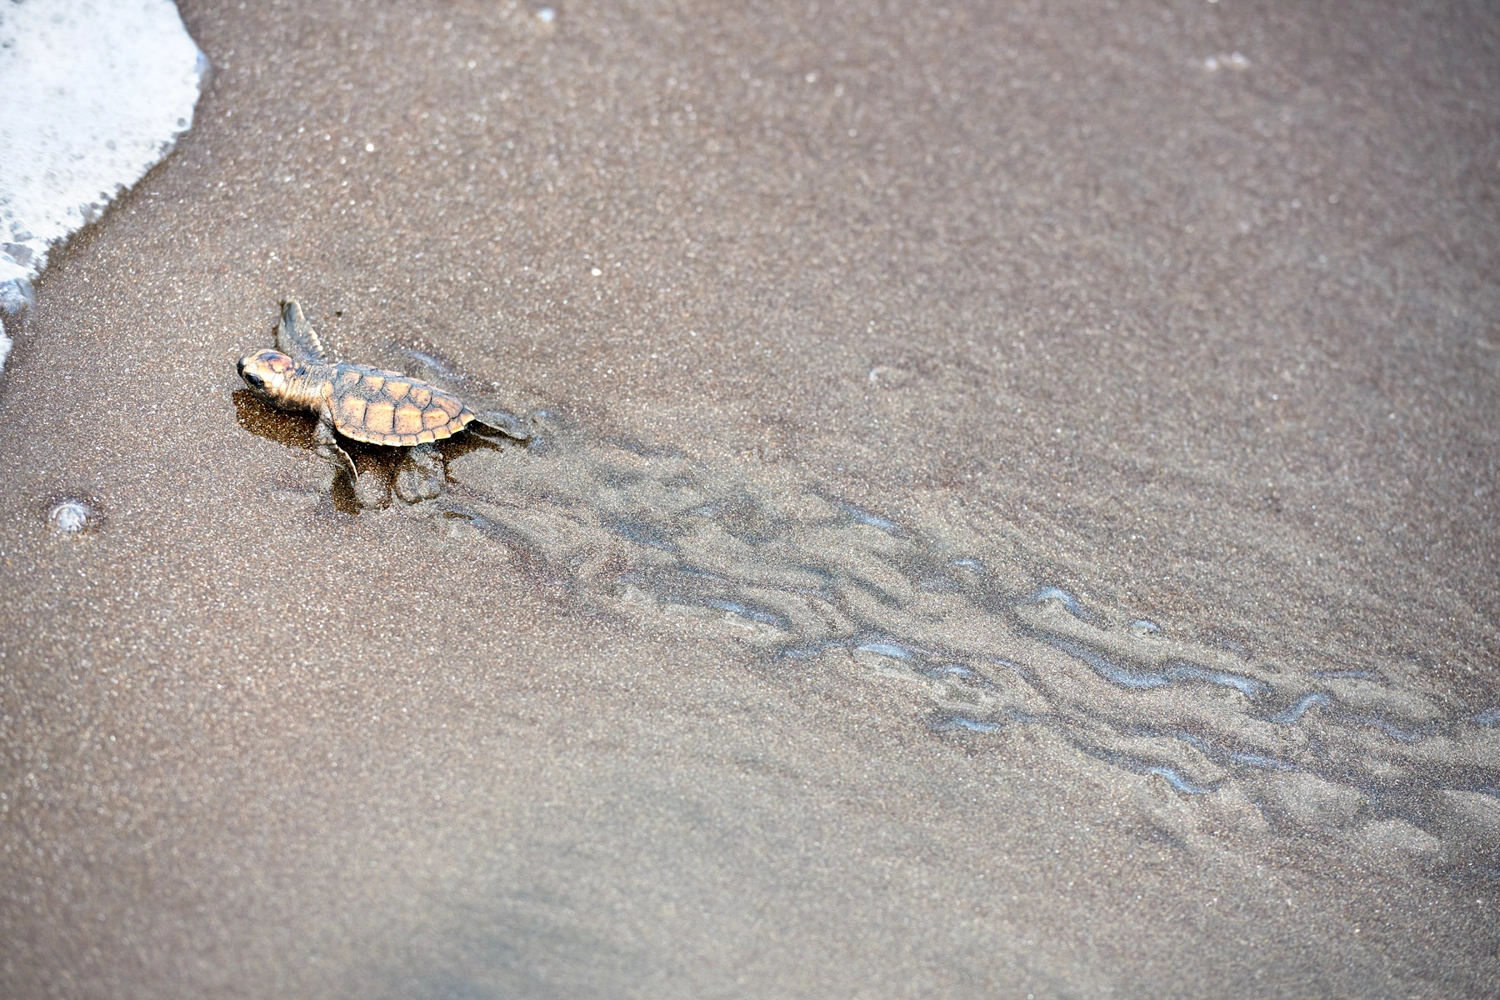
point(383, 471)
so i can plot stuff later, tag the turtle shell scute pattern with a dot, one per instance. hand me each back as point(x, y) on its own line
point(385, 407)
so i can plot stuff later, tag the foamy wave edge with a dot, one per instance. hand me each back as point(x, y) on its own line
point(97, 93)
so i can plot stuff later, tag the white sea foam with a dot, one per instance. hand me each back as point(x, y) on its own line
point(93, 93)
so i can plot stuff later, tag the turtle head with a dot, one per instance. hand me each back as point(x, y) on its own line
point(273, 376)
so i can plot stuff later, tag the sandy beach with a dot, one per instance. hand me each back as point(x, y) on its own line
point(1013, 513)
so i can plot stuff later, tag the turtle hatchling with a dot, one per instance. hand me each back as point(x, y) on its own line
point(361, 403)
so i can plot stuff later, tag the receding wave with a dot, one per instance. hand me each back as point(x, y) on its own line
point(92, 95)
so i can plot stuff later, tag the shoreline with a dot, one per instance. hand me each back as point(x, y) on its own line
point(95, 100)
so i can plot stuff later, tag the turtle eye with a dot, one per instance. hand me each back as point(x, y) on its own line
point(255, 380)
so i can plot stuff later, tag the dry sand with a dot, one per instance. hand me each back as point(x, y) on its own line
point(853, 328)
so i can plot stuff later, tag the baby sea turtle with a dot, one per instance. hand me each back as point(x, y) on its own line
point(362, 403)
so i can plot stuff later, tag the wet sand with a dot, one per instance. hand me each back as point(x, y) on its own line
point(1014, 514)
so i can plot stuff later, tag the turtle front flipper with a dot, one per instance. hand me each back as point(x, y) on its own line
point(295, 336)
point(328, 447)
point(506, 423)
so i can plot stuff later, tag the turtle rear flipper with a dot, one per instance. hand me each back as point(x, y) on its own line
point(421, 475)
point(505, 423)
point(295, 336)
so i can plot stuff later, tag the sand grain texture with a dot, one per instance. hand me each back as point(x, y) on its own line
point(855, 328)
